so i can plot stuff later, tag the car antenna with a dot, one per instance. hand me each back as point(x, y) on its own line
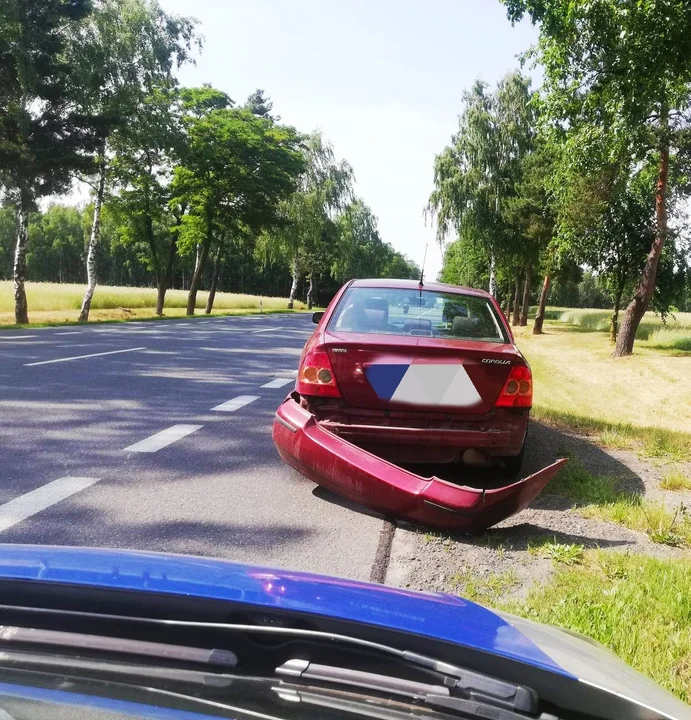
point(422, 272)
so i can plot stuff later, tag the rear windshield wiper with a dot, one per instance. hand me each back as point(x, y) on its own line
point(509, 702)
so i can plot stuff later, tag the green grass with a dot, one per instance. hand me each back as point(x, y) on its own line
point(675, 481)
point(637, 606)
point(484, 589)
point(649, 442)
point(559, 553)
point(601, 497)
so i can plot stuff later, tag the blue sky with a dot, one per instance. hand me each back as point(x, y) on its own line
point(381, 79)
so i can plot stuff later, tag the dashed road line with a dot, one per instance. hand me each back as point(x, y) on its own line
point(163, 438)
point(10, 338)
point(70, 332)
point(40, 499)
point(81, 357)
point(236, 403)
point(278, 383)
point(271, 329)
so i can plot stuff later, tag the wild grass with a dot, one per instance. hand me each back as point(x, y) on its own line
point(674, 480)
point(639, 607)
point(55, 303)
point(602, 497)
point(484, 589)
point(559, 553)
point(672, 334)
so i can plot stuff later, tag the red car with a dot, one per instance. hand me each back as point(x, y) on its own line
point(399, 373)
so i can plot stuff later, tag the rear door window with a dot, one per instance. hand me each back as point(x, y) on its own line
point(425, 313)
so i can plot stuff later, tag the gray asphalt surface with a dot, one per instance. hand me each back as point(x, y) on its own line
point(221, 490)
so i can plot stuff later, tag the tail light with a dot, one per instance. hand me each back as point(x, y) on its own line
point(518, 388)
point(316, 376)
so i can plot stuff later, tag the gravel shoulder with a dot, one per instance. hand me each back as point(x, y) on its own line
point(506, 561)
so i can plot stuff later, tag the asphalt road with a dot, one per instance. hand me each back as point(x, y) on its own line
point(127, 447)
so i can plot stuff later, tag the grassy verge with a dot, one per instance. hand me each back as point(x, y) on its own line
point(637, 606)
point(602, 497)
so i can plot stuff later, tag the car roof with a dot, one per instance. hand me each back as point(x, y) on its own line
point(414, 285)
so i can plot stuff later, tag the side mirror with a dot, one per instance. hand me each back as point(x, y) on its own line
point(316, 317)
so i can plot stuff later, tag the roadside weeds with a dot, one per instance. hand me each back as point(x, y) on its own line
point(604, 551)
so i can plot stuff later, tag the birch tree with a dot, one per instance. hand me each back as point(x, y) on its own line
point(127, 49)
point(44, 137)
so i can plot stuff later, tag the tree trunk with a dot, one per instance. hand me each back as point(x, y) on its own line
point(516, 300)
point(614, 328)
point(218, 260)
point(93, 240)
point(526, 297)
point(542, 305)
point(492, 276)
point(646, 283)
point(21, 309)
point(310, 291)
point(166, 277)
point(198, 272)
point(294, 287)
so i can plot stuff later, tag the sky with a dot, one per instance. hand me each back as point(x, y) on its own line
point(382, 80)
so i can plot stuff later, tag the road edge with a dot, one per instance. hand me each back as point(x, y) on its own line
point(383, 553)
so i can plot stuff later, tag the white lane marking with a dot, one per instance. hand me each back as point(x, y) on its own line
point(236, 403)
point(42, 498)
point(271, 329)
point(163, 438)
point(81, 357)
point(278, 383)
point(16, 337)
point(70, 332)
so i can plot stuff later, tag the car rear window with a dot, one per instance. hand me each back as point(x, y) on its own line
point(424, 313)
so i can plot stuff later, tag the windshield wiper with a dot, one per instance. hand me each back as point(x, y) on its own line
point(503, 704)
point(10, 634)
point(474, 684)
point(69, 666)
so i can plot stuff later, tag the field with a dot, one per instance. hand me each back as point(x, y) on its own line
point(53, 303)
point(606, 550)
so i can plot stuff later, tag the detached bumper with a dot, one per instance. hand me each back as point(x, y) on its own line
point(369, 480)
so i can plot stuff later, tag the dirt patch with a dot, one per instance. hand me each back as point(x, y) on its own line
point(507, 560)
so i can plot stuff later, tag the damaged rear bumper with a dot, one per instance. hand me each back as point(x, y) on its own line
point(350, 471)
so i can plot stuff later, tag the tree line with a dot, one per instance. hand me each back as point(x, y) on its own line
point(591, 171)
point(188, 187)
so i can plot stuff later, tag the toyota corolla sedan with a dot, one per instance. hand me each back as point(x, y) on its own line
point(398, 373)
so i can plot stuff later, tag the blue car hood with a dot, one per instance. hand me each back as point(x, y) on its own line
point(438, 616)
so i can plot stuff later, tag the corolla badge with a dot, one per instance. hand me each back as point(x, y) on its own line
point(492, 361)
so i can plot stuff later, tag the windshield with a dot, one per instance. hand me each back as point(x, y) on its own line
point(421, 313)
point(393, 293)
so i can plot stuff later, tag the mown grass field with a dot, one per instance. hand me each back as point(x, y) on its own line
point(51, 303)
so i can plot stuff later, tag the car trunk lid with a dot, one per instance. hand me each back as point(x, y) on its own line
point(421, 373)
